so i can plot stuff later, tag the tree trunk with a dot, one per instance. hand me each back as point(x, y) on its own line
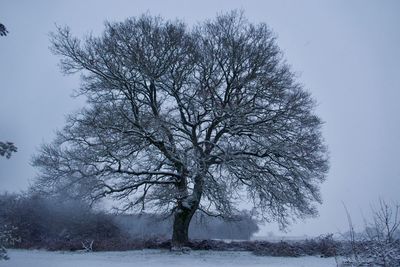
point(180, 233)
point(186, 207)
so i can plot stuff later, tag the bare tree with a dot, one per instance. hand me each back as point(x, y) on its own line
point(180, 120)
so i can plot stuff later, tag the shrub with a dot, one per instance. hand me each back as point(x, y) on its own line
point(54, 223)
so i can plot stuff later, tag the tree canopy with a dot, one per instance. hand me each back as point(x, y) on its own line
point(180, 119)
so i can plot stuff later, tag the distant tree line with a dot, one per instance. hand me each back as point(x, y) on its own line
point(59, 224)
point(240, 227)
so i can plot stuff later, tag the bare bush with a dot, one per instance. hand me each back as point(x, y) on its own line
point(54, 224)
point(378, 245)
point(7, 238)
point(87, 245)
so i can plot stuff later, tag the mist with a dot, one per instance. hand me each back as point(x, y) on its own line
point(345, 53)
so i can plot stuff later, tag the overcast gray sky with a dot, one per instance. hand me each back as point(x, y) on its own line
point(347, 53)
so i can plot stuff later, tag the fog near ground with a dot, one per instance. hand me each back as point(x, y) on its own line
point(346, 53)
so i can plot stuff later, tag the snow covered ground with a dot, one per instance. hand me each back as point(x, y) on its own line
point(156, 258)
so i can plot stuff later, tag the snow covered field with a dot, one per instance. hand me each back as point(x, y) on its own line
point(156, 258)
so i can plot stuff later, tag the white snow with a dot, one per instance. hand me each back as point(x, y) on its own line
point(155, 258)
